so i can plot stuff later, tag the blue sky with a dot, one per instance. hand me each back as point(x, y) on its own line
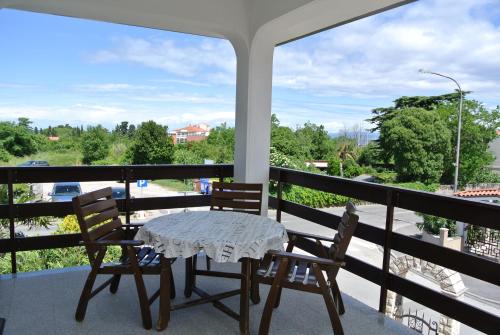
point(63, 70)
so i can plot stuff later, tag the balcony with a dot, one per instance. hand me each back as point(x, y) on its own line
point(46, 300)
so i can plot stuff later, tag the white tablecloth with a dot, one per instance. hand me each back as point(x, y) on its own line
point(223, 236)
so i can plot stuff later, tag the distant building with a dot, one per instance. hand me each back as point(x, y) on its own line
point(191, 133)
point(318, 164)
point(53, 138)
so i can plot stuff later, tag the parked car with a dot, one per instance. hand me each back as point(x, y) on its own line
point(65, 191)
point(118, 193)
point(35, 163)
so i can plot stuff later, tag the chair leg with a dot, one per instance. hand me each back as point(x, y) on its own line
point(81, 309)
point(208, 263)
point(141, 290)
point(165, 294)
point(265, 322)
point(337, 297)
point(172, 283)
point(114, 284)
point(188, 287)
point(330, 304)
point(254, 282)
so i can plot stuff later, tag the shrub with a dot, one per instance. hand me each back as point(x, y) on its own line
point(37, 260)
point(333, 166)
point(95, 145)
point(432, 224)
point(351, 168)
point(313, 198)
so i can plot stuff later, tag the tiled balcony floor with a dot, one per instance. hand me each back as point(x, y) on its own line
point(44, 303)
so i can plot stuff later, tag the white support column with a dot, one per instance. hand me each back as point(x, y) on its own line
point(253, 113)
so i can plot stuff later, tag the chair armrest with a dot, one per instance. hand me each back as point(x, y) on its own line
point(307, 235)
point(317, 260)
point(123, 243)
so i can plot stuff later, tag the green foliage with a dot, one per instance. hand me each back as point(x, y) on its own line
point(315, 139)
point(95, 145)
point(418, 186)
point(22, 194)
point(351, 169)
point(333, 168)
point(37, 260)
point(151, 145)
point(431, 224)
point(68, 225)
point(4, 155)
point(478, 130)
point(313, 198)
point(183, 155)
point(370, 155)
point(221, 140)
point(419, 142)
point(17, 139)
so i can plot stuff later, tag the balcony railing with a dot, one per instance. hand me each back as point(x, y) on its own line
point(479, 214)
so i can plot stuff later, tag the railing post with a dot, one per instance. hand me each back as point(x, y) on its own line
point(389, 219)
point(280, 196)
point(12, 228)
point(128, 173)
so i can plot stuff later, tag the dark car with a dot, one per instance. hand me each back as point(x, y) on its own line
point(35, 163)
point(118, 193)
point(65, 191)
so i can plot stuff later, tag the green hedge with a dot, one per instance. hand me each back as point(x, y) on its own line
point(313, 198)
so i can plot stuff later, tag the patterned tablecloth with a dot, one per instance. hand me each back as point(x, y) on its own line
point(223, 236)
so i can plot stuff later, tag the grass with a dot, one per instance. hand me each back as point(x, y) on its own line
point(175, 185)
point(55, 158)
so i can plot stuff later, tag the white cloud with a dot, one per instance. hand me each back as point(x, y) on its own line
point(211, 60)
point(379, 56)
point(112, 87)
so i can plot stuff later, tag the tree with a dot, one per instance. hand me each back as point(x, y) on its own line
point(122, 128)
point(222, 138)
point(385, 114)
point(184, 156)
point(478, 130)
point(17, 140)
point(95, 145)
point(419, 141)
point(316, 139)
point(151, 145)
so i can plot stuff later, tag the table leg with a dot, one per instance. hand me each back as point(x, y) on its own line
point(188, 288)
point(165, 275)
point(244, 298)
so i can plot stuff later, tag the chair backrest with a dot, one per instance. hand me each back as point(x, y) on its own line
point(238, 197)
point(98, 218)
point(345, 231)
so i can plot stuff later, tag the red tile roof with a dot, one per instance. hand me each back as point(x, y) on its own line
point(490, 192)
point(190, 129)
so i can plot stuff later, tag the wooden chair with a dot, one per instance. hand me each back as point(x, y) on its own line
point(101, 227)
point(284, 269)
point(237, 197)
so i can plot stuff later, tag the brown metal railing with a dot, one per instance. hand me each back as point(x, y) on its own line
point(126, 174)
point(480, 214)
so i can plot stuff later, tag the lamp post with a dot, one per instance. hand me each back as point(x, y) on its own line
point(457, 160)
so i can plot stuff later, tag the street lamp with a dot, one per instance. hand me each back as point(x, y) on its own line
point(457, 161)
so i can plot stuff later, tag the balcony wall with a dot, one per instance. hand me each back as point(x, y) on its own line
point(480, 214)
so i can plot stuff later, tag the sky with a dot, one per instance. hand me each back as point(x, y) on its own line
point(58, 70)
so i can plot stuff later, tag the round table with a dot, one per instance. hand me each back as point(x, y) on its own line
point(223, 236)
